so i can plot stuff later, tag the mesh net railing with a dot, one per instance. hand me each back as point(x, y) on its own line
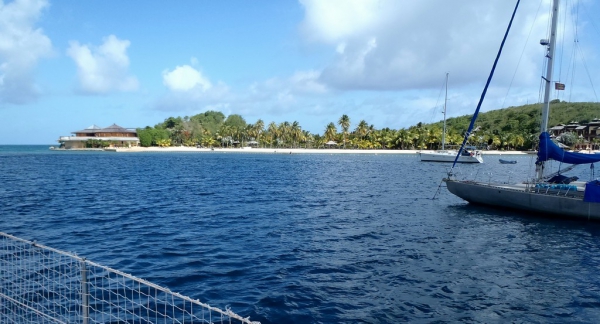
point(39, 284)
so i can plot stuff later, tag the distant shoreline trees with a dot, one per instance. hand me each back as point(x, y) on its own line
point(514, 128)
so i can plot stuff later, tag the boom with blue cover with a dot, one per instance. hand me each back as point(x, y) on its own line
point(549, 150)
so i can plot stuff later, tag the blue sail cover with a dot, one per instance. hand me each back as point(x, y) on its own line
point(592, 191)
point(549, 150)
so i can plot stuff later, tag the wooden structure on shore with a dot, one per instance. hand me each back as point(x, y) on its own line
point(111, 136)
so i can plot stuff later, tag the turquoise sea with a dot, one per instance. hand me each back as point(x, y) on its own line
point(307, 238)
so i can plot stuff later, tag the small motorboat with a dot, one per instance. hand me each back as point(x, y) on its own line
point(508, 161)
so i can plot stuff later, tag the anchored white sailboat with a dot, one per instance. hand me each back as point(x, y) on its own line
point(470, 155)
point(558, 195)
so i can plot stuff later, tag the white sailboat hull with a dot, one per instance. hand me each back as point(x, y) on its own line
point(524, 198)
point(449, 156)
point(443, 155)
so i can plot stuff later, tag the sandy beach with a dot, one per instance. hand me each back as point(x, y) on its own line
point(291, 151)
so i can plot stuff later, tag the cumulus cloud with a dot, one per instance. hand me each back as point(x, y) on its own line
point(195, 99)
point(406, 44)
point(103, 69)
point(277, 96)
point(190, 90)
point(307, 82)
point(330, 21)
point(21, 47)
point(185, 78)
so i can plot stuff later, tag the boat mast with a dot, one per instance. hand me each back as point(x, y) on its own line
point(445, 105)
point(548, 78)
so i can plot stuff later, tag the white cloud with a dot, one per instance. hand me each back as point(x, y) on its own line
point(407, 44)
point(307, 82)
point(103, 69)
point(21, 47)
point(297, 94)
point(281, 95)
point(401, 49)
point(195, 99)
point(185, 78)
point(334, 20)
point(190, 90)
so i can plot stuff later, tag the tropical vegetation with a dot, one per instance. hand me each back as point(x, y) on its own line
point(513, 128)
point(94, 143)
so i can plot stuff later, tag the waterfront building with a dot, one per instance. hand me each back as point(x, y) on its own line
point(588, 135)
point(95, 136)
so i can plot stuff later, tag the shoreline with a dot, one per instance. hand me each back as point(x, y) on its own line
point(291, 151)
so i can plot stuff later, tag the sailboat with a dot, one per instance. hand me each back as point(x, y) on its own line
point(559, 195)
point(469, 155)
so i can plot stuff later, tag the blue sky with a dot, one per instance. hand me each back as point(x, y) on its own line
point(65, 65)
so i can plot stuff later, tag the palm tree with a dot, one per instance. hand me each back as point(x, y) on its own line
point(403, 138)
point(385, 138)
point(284, 131)
point(208, 141)
point(273, 132)
point(370, 132)
point(330, 132)
point(496, 141)
point(418, 134)
point(295, 132)
point(250, 132)
point(307, 137)
point(362, 129)
point(319, 140)
point(344, 122)
point(519, 141)
point(434, 135)
point(235, 134)
point(259, 129)
point(505, 141)
point(223, 134)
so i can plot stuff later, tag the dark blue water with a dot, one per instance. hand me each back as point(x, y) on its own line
point(306, 238)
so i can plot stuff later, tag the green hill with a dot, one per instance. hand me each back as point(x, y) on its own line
point(526, 119)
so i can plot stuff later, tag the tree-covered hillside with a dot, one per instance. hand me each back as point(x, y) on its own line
point(527, 118)
point(517, 127)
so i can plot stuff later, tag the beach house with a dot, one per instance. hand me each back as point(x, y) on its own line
point(94, 136)
point(588, 135)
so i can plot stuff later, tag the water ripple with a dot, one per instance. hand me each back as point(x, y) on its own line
point(306, 238)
